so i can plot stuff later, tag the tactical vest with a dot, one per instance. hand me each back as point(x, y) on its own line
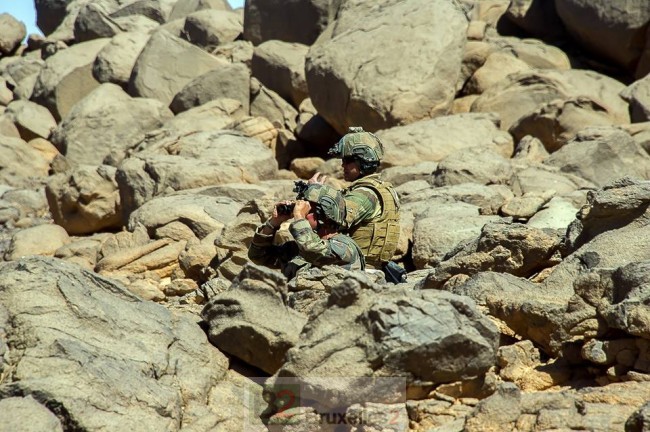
point(378, 237)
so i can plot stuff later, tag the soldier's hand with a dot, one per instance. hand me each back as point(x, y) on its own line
point(301, 209)
point(277, 217)
point(317, 178)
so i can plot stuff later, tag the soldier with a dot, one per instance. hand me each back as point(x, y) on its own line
point(317, 242)
point(372, 218)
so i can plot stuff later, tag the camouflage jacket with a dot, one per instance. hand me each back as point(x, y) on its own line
point(305, 251)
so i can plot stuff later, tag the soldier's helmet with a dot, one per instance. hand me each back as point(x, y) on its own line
point(363, 146)
point(329, 203)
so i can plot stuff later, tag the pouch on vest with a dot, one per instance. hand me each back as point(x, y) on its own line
point(393, 272)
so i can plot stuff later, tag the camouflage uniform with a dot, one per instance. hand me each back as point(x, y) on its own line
point(372, 205)
point(308, 249)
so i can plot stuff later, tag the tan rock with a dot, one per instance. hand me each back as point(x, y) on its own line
point(256, 127)
point(39, 240)
point(306, 167)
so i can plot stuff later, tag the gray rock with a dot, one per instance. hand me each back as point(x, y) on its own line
point(602, 155)
point(230, 81)
point(280, 66)
point(542, 179)
point(115, 62)
point(200, 159)
point(155, 10)
point(532, 51)
point(252, 321)
point(638, 95)
point(183, 8)
point(639, 421)
point(558, 214)
point(85, 200)
point(67, 77)
point(559, 121)
point(435, 235)
point(538, 18)
point(50, 14)
point(94, 22)
point(22, 73)
point(76, 319)
point(13, 33)
point(201, 214)
point(352, 75)
point(630, 295)
point(289, 21)
point(312, 128)
point(37, 240)
point(607, 234)
point(429, 336)
point(522, 93)
point(19, 162)
point(107, 120)
point(31, 119)
point(507, 248)
point(435, 139)
point(267, 103)
point(398, 175)
point(209, 28)
point(599, 409)
point(605, 29)
point(14, 411)
point(154, 76)
point(209, 117)
point(472, 166)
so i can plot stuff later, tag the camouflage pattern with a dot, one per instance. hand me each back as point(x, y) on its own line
point(361, 145)
point(306, 251)
point(373, 218)
point(330, 202)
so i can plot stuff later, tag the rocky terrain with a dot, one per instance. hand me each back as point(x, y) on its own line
point(142, 141)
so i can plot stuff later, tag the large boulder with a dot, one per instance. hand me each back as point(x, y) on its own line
point(155, 76)
point(595, 408)
point(37, 240)
point(94, 22)
point(13, 33)
point(502, 247)
point(107, 120)
point(183, 8)
point(280, 66)
point(200, 214)
point(192, 161)
point(22, 74)
point(538, 18)
point(115, 62)
point(67, 77)
point(601, 155)
point(521, 94)
point(474, 165)
point(31, 119)
point(290, 21)
point(85, 200)
point(230, 81)
point(19, 161)
point(50, 14)
point(613, 29)
point(79, 352)
point(209, 28)
point(251, 320)
point(352, 74)
point(435, 139)
point(362, 332)
point(438, 233)
point(560, 120)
